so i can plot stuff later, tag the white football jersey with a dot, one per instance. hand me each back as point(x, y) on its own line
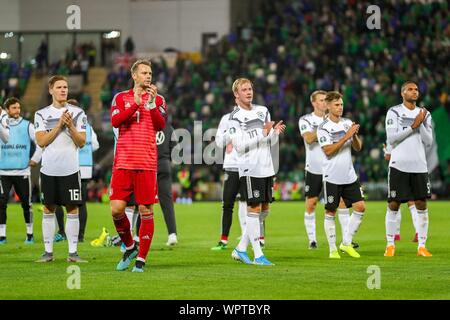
point(231, 161)
point(408, 145)
point(338, 168)
point(59, 158)
point(314, 153)
point(245, 129)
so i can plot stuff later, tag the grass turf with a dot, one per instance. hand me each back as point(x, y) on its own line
point(191, 270)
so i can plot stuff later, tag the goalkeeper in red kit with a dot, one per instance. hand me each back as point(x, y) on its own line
point(138, 113)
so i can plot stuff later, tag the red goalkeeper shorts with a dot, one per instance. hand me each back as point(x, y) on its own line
point(141, 183)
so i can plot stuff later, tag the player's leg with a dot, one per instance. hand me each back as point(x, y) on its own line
point(230, 191)
point(268, 198)
point(412, 208)
point(240, 252)
point(313, 187)
point(71, 198)
point(49, 189)
point(146, 189)
point(165, 200)
point(399, 222)
point(61, 234)
point(5, 188)
point(422, 190)
point(22, 186)
point(242, 213)
point(331, 195)
point(343, 216)
point(398, 192)
point(82, 211)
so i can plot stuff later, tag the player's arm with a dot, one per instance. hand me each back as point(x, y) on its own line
point(426, 130)
point(77, 131)
point(306, 131)
point(158, 116)
point(243, 141)
point(44, 138)
point(222, 136)
point(37, 155)
point(4, 128)
point(118, 112)
point(394, 133)
point(330, 148)
point(356, 143)
point(94, 139)
point(387, 149)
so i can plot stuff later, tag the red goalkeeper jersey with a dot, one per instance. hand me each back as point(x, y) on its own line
point(136, 143)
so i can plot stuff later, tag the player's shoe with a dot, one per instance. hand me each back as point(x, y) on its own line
point(390, 251)
point(172, 240)
point(139, 266)
point(220, 246)
point(397, 237)
point(423, 252)
point(29, 239)
point(46, 257)
point(355, 245)
point(59, 237)
point(312, 245)
point(262, 261)
point(241, 256)
point(74, 257)
point(128, 256)
point(334, 255)
point(3, 240)
point(349, 250)
point(416, 238)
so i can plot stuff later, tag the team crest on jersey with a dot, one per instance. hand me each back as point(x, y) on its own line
point(390, 121)
point(256, 193)
point(306, 188)
point(330, 199)
point(160, 137)
point(393, 194)
point(232, 130)
point(260, 114)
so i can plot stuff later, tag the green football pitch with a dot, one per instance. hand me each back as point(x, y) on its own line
point(191, 270)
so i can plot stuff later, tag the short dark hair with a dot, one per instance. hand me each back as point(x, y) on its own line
point(10, 101)
point(52, 80)
point(332, 96)
point(406, 83)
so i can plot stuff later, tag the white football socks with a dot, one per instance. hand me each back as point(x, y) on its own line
point(353, 226)
point(391, 226)
point(330, 231)
point(422, 226)
point(310, 225)
point(48, 230)
point(72, 230)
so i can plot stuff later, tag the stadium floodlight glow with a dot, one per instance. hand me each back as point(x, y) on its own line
point(111, 35)
point(4, 55)
point(9, 34)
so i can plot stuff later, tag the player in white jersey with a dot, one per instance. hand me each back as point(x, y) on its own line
point(4, 126)
point(252, 133)
point(409, 131)
point(231, 182)
point(337, 136)
point(60, 131)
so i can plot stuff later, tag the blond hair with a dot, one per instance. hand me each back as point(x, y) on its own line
point(139, 62)
point(238, 82)
point(313, 95)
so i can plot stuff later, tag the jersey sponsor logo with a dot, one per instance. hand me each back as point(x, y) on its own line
point(330, 199)
point(256, 193)
point(160, 137)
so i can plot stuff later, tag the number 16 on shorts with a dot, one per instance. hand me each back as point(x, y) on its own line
point(75, 194)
